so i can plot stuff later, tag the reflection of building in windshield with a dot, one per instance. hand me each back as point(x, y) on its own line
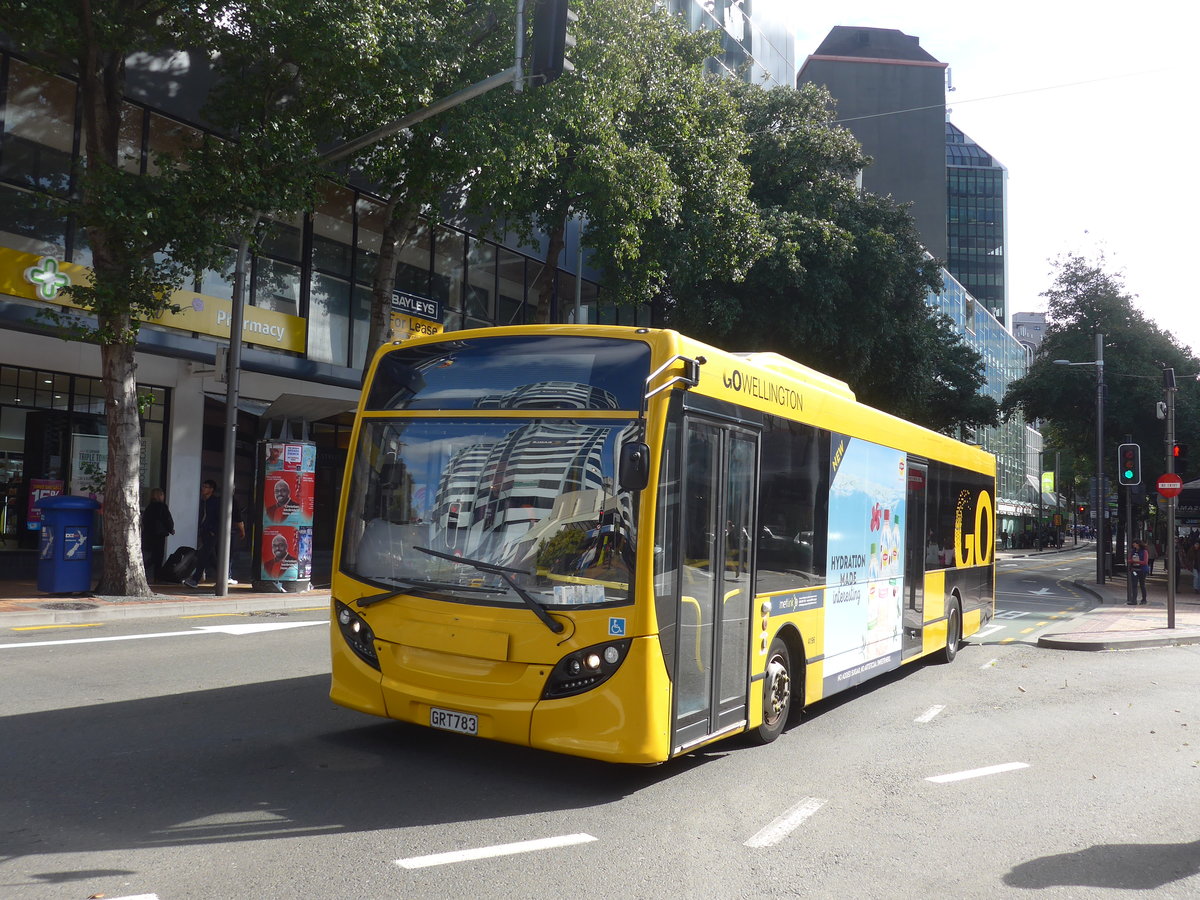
point(550, 395)
point(499, 491)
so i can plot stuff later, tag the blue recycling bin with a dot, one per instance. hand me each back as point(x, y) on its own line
point(65, 549)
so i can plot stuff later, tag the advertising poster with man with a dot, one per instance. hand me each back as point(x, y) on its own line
point(865, 564)
point(288, 493)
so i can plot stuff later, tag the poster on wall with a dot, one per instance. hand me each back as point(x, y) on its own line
point(39, 488)
point(289, 484)
point(89, 465)
point(864, 597)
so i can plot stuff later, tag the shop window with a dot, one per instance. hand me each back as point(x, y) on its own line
point(415, 257)
point(372, 218)
point(169, 138)
point(328, 319)
point(362, 326)
point(284, 240)
point(446, 283)
point(481, 280)
point(39, 129)
point(219, 282)
point(276, 286)
point(33, 223)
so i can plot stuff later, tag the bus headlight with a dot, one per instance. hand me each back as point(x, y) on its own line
point(584, 669)
point(357, 633)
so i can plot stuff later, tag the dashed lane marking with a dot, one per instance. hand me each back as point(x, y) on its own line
point(977, 773)
point(454, 856)
point(929, 714)
point(786, 824)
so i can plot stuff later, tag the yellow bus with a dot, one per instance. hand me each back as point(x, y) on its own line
point(624, 544)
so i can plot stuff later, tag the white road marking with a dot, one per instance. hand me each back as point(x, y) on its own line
point(984, 632)
point(1042, 591)
point(202, 629)
point(441, 859)
point(785, 824)
point(929, 714)
point(137, 897)
point(977, 773)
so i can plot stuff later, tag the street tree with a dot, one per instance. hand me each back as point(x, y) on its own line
point(641, 145)
point(1088, 298)
point(150, 230)
point(843, 285)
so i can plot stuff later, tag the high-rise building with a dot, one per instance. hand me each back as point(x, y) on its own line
point(891, 94)
point(976, 224)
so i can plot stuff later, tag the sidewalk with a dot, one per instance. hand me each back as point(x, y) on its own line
point(1112, 625)
point(22, 605)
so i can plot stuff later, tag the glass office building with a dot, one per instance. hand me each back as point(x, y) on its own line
point(975, 222)
point(1004, 360)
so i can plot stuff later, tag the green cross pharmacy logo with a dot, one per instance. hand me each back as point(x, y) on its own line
point(47, 278)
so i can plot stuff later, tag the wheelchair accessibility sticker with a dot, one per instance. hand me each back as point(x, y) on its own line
point(616, 627)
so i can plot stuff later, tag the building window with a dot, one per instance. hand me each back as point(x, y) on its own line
point(39, 129)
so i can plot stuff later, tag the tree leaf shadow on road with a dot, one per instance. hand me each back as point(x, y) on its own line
point(1133, 867)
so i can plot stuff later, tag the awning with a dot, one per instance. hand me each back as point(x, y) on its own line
point(298, 408)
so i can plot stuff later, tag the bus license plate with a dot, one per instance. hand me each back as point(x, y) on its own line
point(449, 720)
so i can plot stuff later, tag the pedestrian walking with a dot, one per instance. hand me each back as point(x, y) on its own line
point(209, 531)
point(1139, 568)
point(157, 524)
point(1193, 560)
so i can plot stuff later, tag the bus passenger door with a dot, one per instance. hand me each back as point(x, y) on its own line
point(916, 540)
point(717, 544)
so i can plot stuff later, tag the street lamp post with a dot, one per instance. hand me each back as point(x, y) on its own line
point(1098, 506)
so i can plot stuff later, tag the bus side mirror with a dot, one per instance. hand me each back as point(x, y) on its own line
point(634, 466)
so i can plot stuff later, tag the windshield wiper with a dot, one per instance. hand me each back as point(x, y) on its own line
point(480, 565)
point(425, 586)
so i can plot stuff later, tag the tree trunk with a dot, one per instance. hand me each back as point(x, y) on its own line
point(123, 571)
point(545, 289)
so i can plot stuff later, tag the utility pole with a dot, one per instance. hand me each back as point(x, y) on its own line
point(1169, 389)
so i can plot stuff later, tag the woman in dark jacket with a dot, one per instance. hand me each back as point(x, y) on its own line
point(156, 525)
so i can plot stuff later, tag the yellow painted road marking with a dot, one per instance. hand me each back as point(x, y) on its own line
point(43, 627)
point(1026, 630)
point(1008, 640)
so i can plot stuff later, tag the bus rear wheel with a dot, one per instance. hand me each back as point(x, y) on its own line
point(777, 693)
point(953, 633)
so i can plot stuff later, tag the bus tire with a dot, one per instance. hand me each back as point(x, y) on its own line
point(777, 693)
point(953, 633)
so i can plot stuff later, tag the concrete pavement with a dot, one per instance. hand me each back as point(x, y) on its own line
point(1110, 625)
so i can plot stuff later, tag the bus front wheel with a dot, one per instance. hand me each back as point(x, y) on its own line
point(777, 693)
point(953, 633)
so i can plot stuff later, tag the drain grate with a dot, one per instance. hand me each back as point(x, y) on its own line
point(69, 604)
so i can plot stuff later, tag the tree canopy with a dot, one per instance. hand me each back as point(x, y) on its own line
point(1087, 299)
point(842, 285)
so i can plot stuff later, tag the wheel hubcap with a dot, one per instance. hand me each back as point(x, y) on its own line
point(779, 690)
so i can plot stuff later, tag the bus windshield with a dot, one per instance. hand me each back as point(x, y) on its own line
point(536, 497)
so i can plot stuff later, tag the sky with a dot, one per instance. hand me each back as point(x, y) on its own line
point(1092, 108)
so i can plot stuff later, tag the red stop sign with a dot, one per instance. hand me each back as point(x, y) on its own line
point(1170, 485)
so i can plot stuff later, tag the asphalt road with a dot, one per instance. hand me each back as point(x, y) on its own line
point(1035, 593)
point(176, 763)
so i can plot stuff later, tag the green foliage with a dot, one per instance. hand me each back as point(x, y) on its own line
point(843, 284)
point(565, 545)
point(1084, 300)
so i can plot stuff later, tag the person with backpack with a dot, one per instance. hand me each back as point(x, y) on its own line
point(208, 532)
point(1139, 568)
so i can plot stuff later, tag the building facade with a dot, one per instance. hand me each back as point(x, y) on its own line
point(976, 185)
point(304, 334)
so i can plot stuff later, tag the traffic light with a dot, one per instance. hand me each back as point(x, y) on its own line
point(1181, 464)
point(1129, 464)
point(552, 39)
